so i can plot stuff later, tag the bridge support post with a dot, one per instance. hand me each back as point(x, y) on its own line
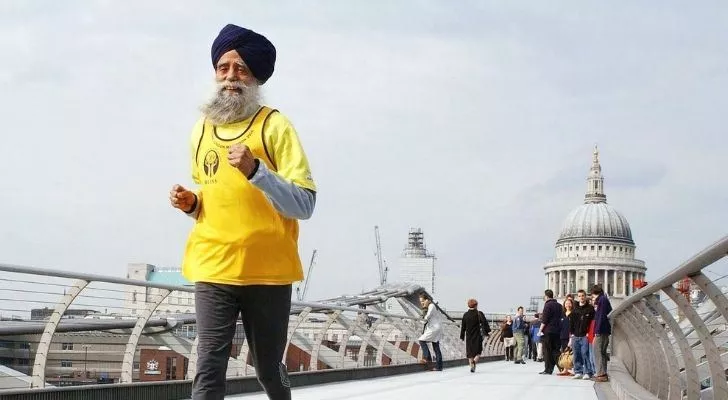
point(642, 364)
point(333, 317)
point(353, 324)
point(717, 372)
point(713, 292)
point(674, 391)
point(192, 359)
point(407, 328)
point(365, 341)
point(127, 365)
point(41, 355)
point(292, 329)
point(691, 370)
point(656, 370)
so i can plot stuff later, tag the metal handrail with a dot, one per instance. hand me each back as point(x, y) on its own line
point(674, 355)
point(350, 312)
point(55, 273)
point(708, 256)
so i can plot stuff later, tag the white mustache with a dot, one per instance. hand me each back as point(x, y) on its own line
point(232, 85)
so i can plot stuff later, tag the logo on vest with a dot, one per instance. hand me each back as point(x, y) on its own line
point(211, 163)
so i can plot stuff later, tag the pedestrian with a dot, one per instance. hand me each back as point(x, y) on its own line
point(536, 345)
point(602, 331)
point(254, 185)
point(519, 333)
point(565, 334)
point(473, 329)
point(433, 331)
point(550, 332)
point(509, 343)
point(579, 322)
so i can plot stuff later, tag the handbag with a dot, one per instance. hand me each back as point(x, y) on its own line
point(484, 327)
point(566, 359)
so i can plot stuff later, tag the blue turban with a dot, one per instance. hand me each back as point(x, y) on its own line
point(256, 50)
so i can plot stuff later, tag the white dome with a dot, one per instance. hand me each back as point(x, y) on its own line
point(596, 221)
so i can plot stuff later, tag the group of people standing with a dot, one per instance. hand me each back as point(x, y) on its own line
point(580, 324)
point(573, 326)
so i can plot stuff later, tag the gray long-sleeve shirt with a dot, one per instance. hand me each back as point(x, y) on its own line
point(288, 199)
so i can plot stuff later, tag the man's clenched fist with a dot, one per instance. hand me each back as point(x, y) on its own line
point(182, 198)
point(240, 157)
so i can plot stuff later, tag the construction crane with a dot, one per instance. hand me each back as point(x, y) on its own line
point(301, 294)
point(380, 259)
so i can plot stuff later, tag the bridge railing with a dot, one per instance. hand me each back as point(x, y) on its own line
point(65, 329)
point(672, 335)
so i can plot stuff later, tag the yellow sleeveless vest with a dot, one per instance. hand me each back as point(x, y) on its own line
point(239, 238)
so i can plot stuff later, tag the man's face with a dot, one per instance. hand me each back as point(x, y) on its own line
point(581, 297)
point(232, 68)
point(237, 92)
point(519, 312)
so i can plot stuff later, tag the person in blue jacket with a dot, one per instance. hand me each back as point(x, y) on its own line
point(537, 351)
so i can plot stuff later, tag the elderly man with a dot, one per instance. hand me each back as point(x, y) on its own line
point(254, 185)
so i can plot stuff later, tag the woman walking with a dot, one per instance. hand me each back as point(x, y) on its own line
point(474, 326)
point(433, 331)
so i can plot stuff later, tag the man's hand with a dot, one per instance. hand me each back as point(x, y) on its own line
point(182, 198)
point(240, 157)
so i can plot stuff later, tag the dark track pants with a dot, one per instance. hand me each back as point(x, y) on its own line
point(551, 343)
point(264, 310)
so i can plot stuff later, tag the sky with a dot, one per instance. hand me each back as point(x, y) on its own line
point(475, 122)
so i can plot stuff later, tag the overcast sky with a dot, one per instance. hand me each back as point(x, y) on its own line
point(473, 121)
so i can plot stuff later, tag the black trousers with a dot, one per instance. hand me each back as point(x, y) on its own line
point(551, 344)
point(264, 310)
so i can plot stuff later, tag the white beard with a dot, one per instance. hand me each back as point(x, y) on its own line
point(227, 107)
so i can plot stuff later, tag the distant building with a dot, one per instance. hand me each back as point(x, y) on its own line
point(417, 265)
point(161, 364)
point(75, 358)
point(138, 297)
point(15, 354)
point(39, 314)
point(595, 246)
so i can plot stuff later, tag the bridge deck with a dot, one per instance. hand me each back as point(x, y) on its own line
point(503, 380)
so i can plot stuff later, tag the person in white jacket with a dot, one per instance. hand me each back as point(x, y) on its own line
point(433, 331)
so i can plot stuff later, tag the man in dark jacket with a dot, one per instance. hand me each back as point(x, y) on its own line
point(550, 332)
point(579, 321)
point(602, 330)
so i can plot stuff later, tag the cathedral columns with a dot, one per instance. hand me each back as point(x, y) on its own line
point(629, 282)
point(548, 282)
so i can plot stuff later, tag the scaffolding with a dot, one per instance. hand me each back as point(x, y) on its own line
point(418, 264)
